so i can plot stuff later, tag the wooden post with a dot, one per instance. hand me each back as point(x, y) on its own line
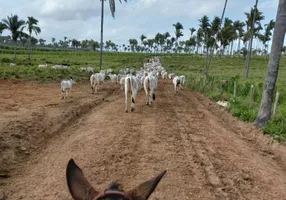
point(275, 105)
point(234, 89)
point(212, 84)
point(221, 86)
point(204, 82)
point(194, 82)
point(251, 95)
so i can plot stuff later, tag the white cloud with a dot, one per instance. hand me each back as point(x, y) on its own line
point(81, 19)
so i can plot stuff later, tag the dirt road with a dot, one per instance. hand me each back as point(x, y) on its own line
point(207, 153)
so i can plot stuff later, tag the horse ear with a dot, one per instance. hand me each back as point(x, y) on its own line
point(144, 190)
point(78, 185)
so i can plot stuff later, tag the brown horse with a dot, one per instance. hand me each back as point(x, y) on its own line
point(81, 189)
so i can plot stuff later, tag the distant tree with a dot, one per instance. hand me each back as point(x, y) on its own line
point(178, 32)
point(15, 26)
point(32, 27)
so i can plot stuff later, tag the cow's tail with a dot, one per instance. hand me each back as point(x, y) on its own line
point(131, 88)
point(91, 81)
point(153, 93)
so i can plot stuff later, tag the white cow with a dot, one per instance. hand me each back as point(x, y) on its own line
point(113, 78)
point(95, 80)
point(66, 86)
point(150, 84)
point(177, 83)
point(183, 80)
point(131, 85)
point(122, 83)
point(171, 76)
point(43, 66)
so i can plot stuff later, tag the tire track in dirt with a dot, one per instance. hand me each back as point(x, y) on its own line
point(200, 162)
point(242, 170)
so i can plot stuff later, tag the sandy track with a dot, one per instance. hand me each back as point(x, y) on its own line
point(207, 152)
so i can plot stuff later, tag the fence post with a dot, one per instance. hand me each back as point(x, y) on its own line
point(212, 84)
point(221, 86)
point(234, 89)
point(251, 95)
point(195, 83)
point(275, 105)
point(204, 83)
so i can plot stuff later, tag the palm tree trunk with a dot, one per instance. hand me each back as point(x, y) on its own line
point(238, 48)
point(264, 113)
point(101, 34)
point(14, 51)
point(29, 49)
point(211, 55)
point(231, 47)
point(251, 40)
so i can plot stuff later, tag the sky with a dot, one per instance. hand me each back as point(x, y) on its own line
point(80, 19)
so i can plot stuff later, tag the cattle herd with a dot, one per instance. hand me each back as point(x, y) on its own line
point(132, 81)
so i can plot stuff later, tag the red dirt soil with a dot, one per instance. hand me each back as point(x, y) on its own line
point(208, 153)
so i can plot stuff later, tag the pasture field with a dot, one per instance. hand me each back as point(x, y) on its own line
point(208, 152)
point(222, 68)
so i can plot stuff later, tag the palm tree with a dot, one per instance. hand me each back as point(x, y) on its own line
point(165, 37)
point(212, 40)
point(54, 41)
point(205, 27)
point(266, 37)
point(32, 27)
point(192, 30)
point(178, 32)
point(199, 39)
point(238, 26)
point(112, 9)
point(142, 38)
point(15, 26)
point(254, 17)
point(2, 27)
point(264, 113)
point(221, 20)
point(42, 41)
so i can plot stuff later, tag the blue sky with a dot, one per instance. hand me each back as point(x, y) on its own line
point(80, 19)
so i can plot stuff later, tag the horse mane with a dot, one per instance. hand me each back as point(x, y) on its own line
point(115, 186)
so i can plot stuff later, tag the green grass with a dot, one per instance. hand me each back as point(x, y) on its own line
point(225, 68)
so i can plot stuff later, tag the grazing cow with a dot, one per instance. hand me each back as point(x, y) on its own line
point(165, 75)
point(43, 66)
point(95, 80)
point(150, 84)
point(113, 78)
point(80, 188)
point(122, 83)
point(171, 76)
point(12, 64)
point(66, 86)
point(87, 69)
point(131, 86)
point(183, 80)
point(177, 83)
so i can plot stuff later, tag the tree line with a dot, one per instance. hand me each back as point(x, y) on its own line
point(209, 34)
